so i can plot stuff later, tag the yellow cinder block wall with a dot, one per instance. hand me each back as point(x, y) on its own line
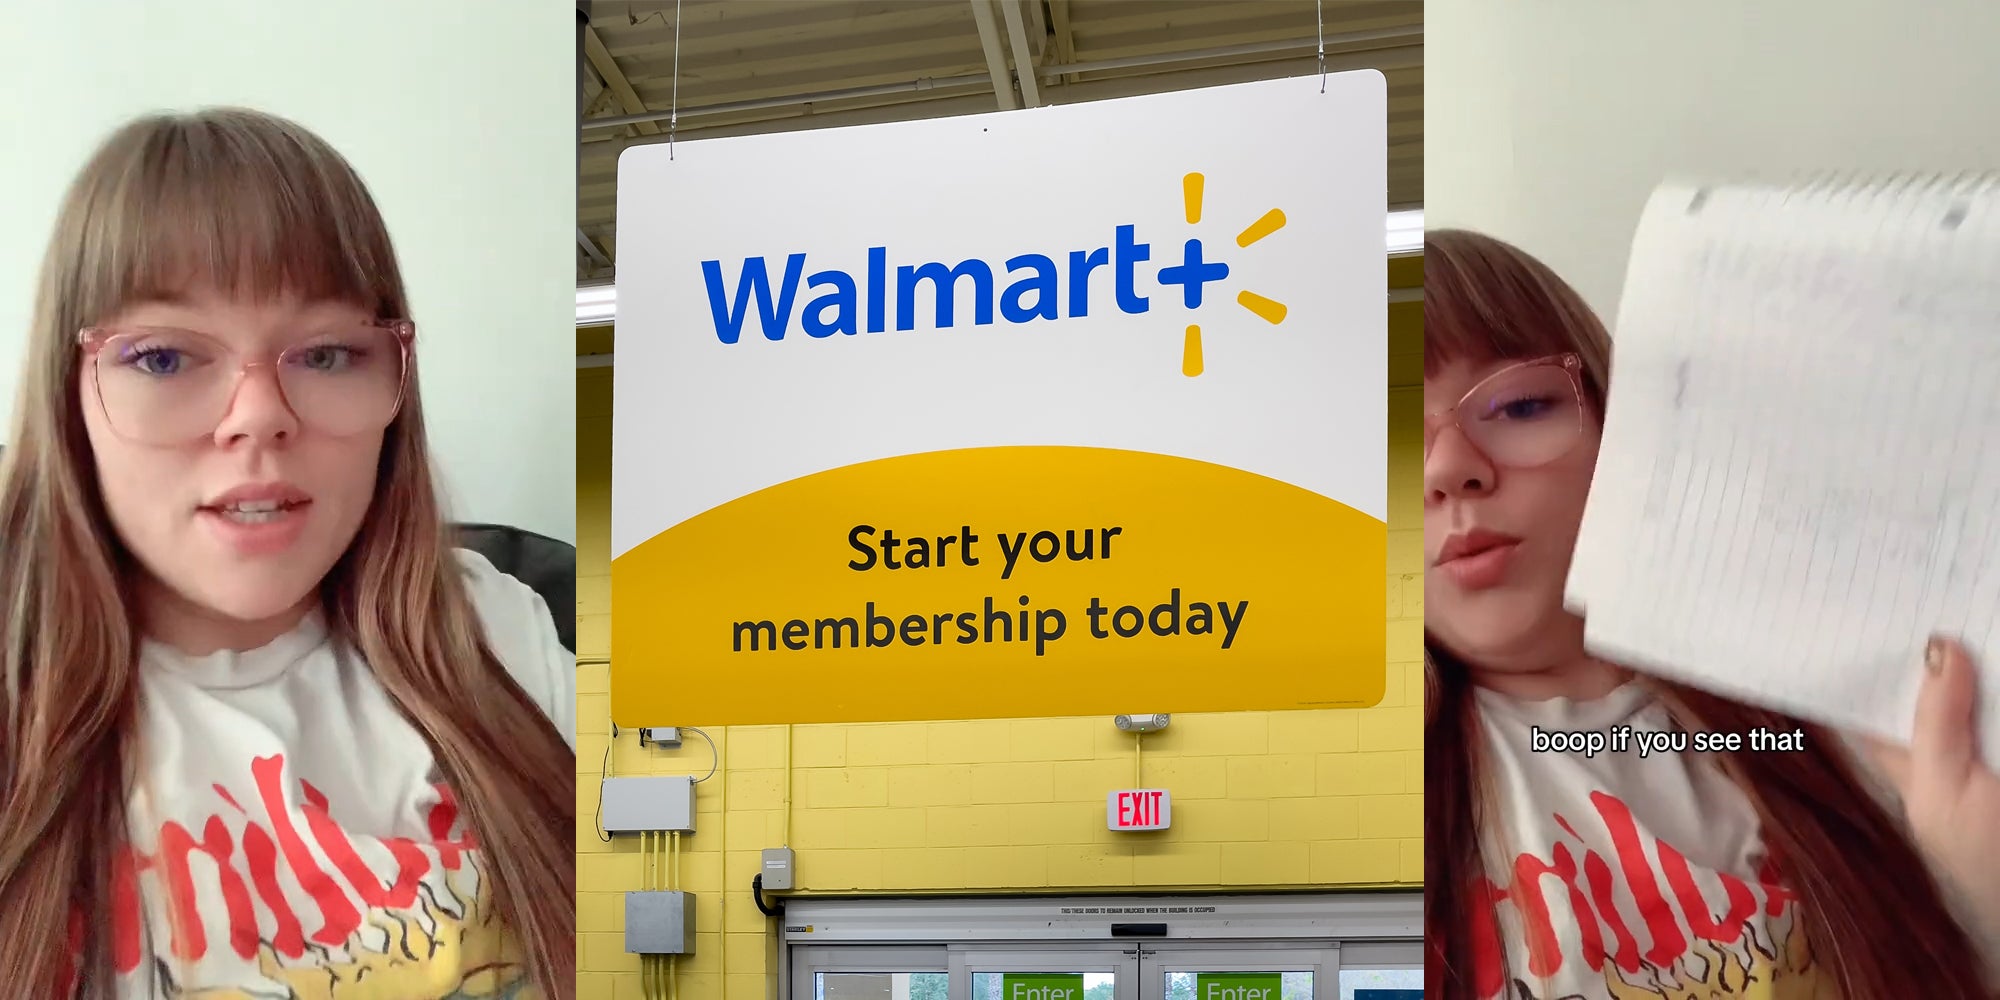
point(1261, 799)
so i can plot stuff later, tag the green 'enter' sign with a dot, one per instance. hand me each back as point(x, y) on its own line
point(1239, 986)
point(1041, 986)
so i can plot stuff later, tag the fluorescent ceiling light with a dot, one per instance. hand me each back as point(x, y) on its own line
point(597, 305)
point(1406, 231)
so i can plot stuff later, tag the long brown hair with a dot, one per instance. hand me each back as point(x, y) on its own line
point(1869, 905)
point(253, 206)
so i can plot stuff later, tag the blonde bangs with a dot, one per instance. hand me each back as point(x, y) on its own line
point(240, 203)
point(1488, 300)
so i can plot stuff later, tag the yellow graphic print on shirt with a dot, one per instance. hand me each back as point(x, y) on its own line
point(454, 950)
point(1747, 968)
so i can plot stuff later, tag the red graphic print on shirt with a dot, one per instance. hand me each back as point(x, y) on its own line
point(273, 881)
point(1643, 920)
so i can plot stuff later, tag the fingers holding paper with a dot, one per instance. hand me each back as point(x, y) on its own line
point(1951, 798)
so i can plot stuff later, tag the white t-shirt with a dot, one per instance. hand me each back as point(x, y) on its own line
point(1622, 876)
point(283, 799)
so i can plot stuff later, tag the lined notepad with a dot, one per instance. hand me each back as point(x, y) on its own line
point(1800, 474)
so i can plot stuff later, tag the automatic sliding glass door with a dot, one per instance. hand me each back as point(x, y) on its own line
point(1236, 971)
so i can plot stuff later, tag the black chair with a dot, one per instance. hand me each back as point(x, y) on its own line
point(546, 565)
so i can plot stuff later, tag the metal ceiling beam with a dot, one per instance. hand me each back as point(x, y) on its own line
point(590, 248)
point(582, 74)
point(582, 80)
point(603, 100)
point(788, 114)
point(1024, 59)
point(1410, 35)
point(1065, 34)
point(614, 78)
point(823, 97)
point(996, 61)
point(1391, 58)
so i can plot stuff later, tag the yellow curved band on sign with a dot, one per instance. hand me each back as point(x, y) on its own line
point(1219, 590)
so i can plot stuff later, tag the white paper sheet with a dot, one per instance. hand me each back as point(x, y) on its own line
point(1800, 475)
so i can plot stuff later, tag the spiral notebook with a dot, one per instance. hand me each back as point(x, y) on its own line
point(1799, 479)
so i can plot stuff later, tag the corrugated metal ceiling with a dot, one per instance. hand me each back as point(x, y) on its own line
point(750, 66)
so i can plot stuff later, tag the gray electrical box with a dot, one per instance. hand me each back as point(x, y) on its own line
point(778, 868)
point(649, 804)
point(659, 923)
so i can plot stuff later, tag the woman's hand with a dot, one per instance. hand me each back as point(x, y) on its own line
point(1950, 797)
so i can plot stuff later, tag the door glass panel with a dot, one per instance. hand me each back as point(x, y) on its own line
point(1043, 985)
point(880, 986)
point(1239, 986)
point(1381, 984)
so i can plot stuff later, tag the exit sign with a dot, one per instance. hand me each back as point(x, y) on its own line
point(1139, 809)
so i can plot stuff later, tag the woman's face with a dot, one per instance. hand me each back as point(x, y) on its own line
point(1497, 538)
point(242, 516)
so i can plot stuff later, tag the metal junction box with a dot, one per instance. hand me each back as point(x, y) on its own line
point(649, 804)
point(659, 923)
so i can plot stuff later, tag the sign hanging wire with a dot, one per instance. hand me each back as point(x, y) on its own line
point(674, 113)
point(1319, 12)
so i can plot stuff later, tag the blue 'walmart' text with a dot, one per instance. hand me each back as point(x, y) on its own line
point(843, 303)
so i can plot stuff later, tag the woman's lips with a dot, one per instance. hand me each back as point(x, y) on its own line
point(262, 533)
point(1481, 570)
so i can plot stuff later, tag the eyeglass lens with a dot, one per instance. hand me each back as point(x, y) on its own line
point(168, 385)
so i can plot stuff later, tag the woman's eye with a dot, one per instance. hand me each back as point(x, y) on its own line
point(158, 360)
point(1524, 409)
point(327, 358)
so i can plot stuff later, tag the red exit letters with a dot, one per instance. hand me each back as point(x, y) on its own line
point(1139, 809)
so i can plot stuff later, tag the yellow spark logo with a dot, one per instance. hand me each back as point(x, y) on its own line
point(1193, 272)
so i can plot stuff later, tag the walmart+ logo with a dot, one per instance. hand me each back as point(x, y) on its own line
point(1039, 287)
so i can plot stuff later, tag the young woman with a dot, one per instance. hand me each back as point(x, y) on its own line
point(263, 731)
point(1607, 877)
